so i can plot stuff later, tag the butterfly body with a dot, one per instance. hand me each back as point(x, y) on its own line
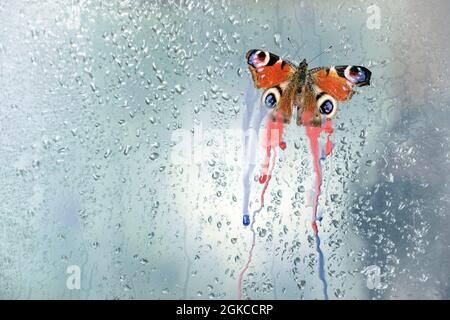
point(313, 93)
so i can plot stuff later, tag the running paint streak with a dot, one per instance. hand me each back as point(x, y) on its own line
point(321, 267)
point(272, 140)
point(250, 138)
point(250, 253)
point(313, 134)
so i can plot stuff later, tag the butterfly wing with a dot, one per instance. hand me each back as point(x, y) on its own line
point(325, 87)
point(339, 81)
point(268, 69)
point(273, 74)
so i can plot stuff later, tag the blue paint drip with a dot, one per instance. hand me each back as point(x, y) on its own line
point(250, 138)
point(322, 157)
point(246, 219)
point(322, 268)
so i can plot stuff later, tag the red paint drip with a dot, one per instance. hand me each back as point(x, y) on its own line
point(272, 139)
point(328, 145)
point(314, 226)
point(313, 134)
point(250, 253)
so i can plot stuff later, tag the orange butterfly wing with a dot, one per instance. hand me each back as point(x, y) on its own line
point(267, 69)
point(339, 81)
point(328, 86)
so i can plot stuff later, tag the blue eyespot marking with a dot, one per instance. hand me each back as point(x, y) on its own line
point(357, 74)
point(270, 100)
point(256, 59)
point(326, 107)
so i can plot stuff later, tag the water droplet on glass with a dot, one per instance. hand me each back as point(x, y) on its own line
point(127, 149)
point(154, 156)
point(277, 40)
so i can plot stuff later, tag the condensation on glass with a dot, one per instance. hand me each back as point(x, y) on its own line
point(96, 97)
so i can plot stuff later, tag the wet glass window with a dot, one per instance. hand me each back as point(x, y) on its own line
point(133, 163)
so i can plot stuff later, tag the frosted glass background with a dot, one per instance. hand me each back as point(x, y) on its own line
point(93, 92)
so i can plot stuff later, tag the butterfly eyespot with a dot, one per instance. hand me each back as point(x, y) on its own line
point(271, 97)
point(327, 106)
point(258, 58)
point(270, 100)
point(357, 74)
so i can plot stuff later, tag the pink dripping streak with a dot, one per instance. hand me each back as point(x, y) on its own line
point(313, 134)
point(272, 140)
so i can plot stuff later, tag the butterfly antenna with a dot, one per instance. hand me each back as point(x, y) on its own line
point(289, 39)
point(324, 51)
point(295, 48)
